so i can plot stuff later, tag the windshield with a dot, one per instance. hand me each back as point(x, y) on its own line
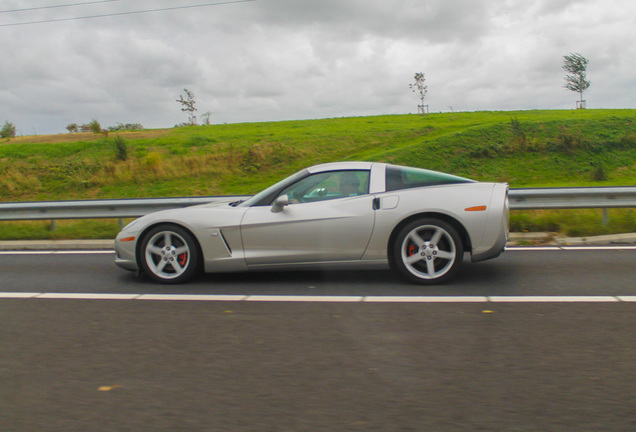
point(266, 196)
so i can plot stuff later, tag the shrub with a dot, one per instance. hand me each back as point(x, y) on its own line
point(599, 172)
point(95, 127)
point(8, 130)
point(126, 127)
point(568, 142)
point(629, 140)
point(121, 148)
point(154, 163)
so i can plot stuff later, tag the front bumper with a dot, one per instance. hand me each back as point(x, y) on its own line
point(125, 256)
point(126, 264)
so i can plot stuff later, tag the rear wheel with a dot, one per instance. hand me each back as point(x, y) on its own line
point(169, 254)
point(428, 251)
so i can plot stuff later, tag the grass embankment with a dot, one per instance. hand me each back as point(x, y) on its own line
point(525, 149)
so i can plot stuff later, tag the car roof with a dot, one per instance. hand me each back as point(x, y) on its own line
point(336, 166)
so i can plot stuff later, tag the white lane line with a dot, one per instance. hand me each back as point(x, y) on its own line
point(280, 298)
point(79, 252)
point(582, 248)
point(425, 299)
point(191, 297)
point(567, 248)
point(18, 295)
point(508, 248)
point(59, 252)
point(552, 299)
point(332, 299)
point(87, 296)
point(532, 248)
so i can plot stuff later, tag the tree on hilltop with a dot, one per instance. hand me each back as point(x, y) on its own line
point(188, 105)
point(420, 88)
point(576, 80)
point(8, 130)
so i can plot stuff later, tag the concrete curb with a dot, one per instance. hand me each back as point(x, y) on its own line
point(539, 239)
point(516, 239)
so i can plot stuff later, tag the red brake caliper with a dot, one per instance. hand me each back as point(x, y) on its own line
point(182, 259)
point(412, 250)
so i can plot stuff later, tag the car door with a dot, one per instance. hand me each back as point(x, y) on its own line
point(329, 217)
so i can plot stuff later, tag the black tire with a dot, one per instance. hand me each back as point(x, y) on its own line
point(428, 251)
point(169, 254)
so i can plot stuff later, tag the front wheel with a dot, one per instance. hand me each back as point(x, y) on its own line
point(169, 254)
point(428, 251)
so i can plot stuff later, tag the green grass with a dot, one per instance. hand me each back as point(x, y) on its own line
point(524, 148)
point(574, 223)
point(64, 230)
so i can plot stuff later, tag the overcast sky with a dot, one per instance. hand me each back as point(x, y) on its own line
point(270, 60)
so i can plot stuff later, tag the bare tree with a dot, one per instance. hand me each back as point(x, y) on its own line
point(419, 88)
point(576, 80)
point(188, 105)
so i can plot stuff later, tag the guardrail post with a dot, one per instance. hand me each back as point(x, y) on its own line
point(605, 220)
point(52, 224)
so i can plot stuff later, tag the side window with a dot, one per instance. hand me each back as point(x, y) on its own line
point(398, 177)
point(327, 186)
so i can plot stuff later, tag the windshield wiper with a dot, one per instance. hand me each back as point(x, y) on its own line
point(235, 203)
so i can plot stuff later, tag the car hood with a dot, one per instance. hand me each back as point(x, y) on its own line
point(211, 215)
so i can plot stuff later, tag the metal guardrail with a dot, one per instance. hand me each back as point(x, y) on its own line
point(573, 198)
point(520, 199)
point(100, 209)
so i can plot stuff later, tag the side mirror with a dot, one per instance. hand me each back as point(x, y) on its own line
point(280, 203)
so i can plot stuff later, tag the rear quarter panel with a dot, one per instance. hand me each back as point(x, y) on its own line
point(447, 200)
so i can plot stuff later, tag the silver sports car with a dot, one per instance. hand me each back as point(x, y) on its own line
point(344, 214)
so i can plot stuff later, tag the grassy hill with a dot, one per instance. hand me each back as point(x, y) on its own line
point(524, 148)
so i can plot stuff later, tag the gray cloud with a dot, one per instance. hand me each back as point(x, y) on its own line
point(291, 59)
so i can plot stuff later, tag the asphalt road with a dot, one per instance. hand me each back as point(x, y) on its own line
point(130, 365)
point(588, 271)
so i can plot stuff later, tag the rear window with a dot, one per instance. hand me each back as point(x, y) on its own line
point(398, 177)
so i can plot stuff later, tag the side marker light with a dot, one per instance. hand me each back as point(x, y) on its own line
point(127, 239)
point(476, 208)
